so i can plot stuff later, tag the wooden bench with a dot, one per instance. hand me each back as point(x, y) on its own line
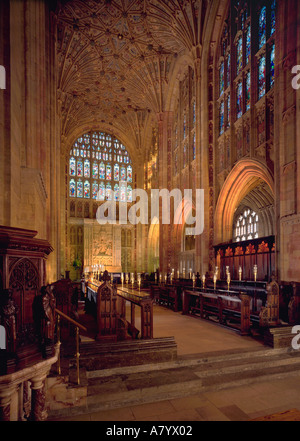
point(229, 310)
point(167, 295)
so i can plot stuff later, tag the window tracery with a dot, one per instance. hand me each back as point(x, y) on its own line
point(96, 159)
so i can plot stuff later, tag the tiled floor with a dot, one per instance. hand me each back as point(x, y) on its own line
point(243, 403)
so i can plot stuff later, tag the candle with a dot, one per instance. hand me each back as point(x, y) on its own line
point(240, 273)
point(203, 280)
point(255, 272)
point(215, 280)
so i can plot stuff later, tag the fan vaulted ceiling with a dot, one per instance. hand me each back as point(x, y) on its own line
point(115, 59)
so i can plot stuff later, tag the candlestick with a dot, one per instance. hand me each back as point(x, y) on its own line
point(228, 279)
point(240, 273)
point(255, 272)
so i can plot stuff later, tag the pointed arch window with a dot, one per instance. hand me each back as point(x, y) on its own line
point(222, 84)
point(95, 170)
point(94, 190)
point(72, 167)
point(87, 188)
point(129, 173)
point(72, 188)
point(79, 168)
point(123, 174)
point(108, 192)
point(262, 26)
point(88, 169)
point(239, 54)
point(261, 76)
point(79, 188)
point(101, 193)
point(116, 172)
point(116, 192)
point(246, 226)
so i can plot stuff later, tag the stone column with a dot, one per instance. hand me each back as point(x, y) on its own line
point(5, 400)
point(38, 411)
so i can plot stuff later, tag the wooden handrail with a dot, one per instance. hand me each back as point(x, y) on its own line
point(66, 317)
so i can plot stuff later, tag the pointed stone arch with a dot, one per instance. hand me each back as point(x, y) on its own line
point(245, 176)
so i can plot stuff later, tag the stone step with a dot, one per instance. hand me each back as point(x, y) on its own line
point(120, 387)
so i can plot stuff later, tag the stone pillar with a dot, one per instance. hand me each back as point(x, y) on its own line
point(5, 400)
point(38, 411)
point(164, 172)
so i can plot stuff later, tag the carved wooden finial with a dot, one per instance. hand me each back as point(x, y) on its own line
point(106, 276)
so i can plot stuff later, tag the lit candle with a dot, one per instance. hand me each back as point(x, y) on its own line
point(194, 279)
point(203, 280)
point(215, 280)
point(240, 273)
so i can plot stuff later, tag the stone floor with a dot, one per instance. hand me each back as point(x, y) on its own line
point(241, 403)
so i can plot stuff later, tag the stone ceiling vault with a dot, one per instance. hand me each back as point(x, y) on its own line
point(116, 58)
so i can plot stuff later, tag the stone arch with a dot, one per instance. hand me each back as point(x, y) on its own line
point(245, 176)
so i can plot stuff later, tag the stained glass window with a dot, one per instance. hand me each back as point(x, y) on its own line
point(222, 78)
point(194, 146)
point(129, 173)
point(228, 71)
point(239, 55)
point(87, 187)
point(129, 194)
point(248, 44)
point(94, 190)
point(194, 113)
point(108, 192)
point(102, 170)
point(88, 159)
point(222, 117)
point(72, 167)
point(86, 168)
point(261, 76)
point(79, 189)
point(116, 172)
point(228, 110)
point(272, 65)
point(101, 192)
point(262, 27)
point(248, 90)
point(116, 192)
point(273, 17)
point(79, 168)
point(123, 192)
point(108, 172)
point(239, 99)
point(72, 188)
point(123, 174)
